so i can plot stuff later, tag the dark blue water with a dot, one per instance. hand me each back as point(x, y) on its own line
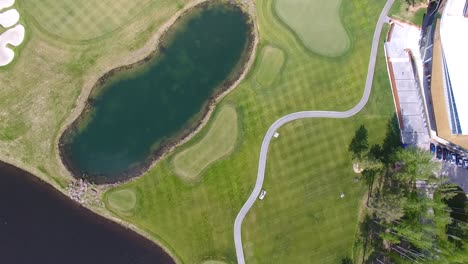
point(38, 225)
point(141, 110)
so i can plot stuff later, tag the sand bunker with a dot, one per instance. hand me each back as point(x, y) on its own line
point(14, 37)
point(9, 18)
point(6, 3)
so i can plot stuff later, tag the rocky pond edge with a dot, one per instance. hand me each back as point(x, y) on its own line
point(168, 146)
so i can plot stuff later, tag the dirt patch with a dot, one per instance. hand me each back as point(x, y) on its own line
point(415, 8)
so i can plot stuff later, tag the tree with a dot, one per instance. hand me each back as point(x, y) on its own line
point(368, 175)
point(388, 208)
point(413, 2)
point(346, 260)
point(417, 164)
point(359, 143)
point(375, 153)
point(392, 141)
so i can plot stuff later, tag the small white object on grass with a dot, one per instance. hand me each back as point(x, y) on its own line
point(342, 195)
point(262, 195)
point(276, 135)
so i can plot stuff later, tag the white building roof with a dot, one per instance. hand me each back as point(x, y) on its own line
point(454, 38)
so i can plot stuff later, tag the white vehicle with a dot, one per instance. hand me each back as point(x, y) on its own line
point(262, 195)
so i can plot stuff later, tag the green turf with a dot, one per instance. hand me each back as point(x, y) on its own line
point(86, 19)
point(122, 201)
point(40, 88)
point(302, 219)
point(400, 10)
point(270, 63)
point(317, 23)
point(218, 142)
point(307, 168)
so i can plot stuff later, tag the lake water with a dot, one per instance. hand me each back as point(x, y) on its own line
point(40, 225)
point(139, 112)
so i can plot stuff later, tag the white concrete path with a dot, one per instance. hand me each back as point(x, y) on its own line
point(301, 115)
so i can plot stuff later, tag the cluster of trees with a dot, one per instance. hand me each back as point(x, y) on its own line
point(410, 214)
point(414, 2)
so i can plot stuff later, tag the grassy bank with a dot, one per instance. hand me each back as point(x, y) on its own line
point(46, 85)
point(302, 217)
point(401, 10)
point(218, 142)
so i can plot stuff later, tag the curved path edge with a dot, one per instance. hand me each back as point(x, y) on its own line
point(383, 18)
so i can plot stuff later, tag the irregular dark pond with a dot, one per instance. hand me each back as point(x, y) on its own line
point(40, 225)
point(141, 111)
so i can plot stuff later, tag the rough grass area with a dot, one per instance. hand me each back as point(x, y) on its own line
point(123, 201)
point(401, 10)
point(41, 88)
point(270, 64)
point(307, 168)
point(317, 23)
point(213, 262)
point(218, 142)
point(302, 219)
point(88, 19)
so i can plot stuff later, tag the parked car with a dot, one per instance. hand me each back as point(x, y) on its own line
point(439, 153)
point(459, 161)
point(453, 158)
point(262, 195)
point(465, 163)
point(445, 154)
point(432, 148)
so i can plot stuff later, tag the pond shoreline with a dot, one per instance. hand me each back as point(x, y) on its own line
point(69, 219)
point(201, 118)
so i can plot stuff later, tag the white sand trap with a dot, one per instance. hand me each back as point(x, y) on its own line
point(13, 36)
point(6, 3)
point(9, 18)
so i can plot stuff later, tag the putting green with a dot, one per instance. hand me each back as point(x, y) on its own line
point(213, 262)
point(270, 64)
point(217, 143)
point(123, 200)
point(317, 23)
point(88, 19)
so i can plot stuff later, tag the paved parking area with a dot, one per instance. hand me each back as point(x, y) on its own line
point(457, 175)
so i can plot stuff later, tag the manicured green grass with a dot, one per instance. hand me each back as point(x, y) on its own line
point(316, 23)
point(401, 11)
point(218, 142)
point(86, 19)
point(40, 88)
point(122, 201)
point(269, 66)
point(302, 219)
point(306, 170)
